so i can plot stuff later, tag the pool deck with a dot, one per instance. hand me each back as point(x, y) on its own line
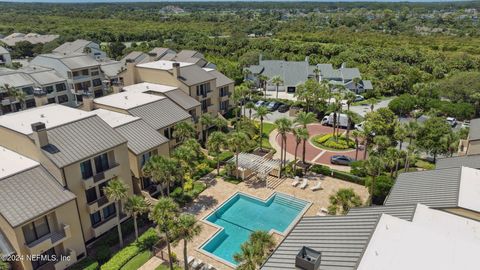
point(219, 191)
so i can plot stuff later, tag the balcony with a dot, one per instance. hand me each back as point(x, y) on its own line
point(98, 204)
point(66, 260)
point(38, 92)
point(107, 224)
point(99, 178)
point(50, 240)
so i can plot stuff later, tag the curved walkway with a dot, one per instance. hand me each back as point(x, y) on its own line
point(313, 154)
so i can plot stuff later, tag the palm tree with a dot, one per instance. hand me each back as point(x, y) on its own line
point(284, 125)
point(301, 134)
point(304, 118)
point(260, 113)
point(345, 198)
point(316, 71)
point(373, 167)
point(187, 155)
point(350, 98)
point(277, 81)
point(161, 169)
point(382, 142)
point(400, 134)
point(186, 228)
point(215, 143)
point(206, 120)
point(336, 107)
point(411, 128)
point(237, 142)
point(183, 131)
point(136, 205)
point(164, 213)
point(21, 97)
point(237, 97)
point(255, 250)
point(116, 191)
point(356, 81)
point(392, 157)
point(250, 106)
point(263, 83)
point(356, 136)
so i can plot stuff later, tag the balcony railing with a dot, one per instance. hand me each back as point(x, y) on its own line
point(97, 204)
point(66, 260)
point(106, 224)
point(50, 240)
point(101, 177)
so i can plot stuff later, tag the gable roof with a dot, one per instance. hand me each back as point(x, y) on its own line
point(471, 161)
point(221, 79)
point(349, 73)
point(182, 99)
point(160, 114)
point(72, 61)
point(435, 188)
point(30, 194)
point(140, 136)
point(79, 140)
point(72, 47)
point(159, 52)
point(474, 132)
point(193, 74)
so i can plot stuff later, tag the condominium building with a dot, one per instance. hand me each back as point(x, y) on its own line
point(197, 82)
point(5, 58)
point(143, 142)
point(80, 151)
point(81, 71)
point(39, 85)
point(161, 113)
point(82, 46)
point(38, 215)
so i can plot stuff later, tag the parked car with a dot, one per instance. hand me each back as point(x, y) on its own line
point(342, 120)
point(359, 126)
point(273, 106)
point(284, 108)
point(259, 103)
point(452, 121)
point(358, 98)
point(341, 160)
point(466, 124)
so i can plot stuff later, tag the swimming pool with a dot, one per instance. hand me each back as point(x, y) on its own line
point(242, 214)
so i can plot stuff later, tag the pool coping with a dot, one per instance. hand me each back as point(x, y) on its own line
point(220, 229)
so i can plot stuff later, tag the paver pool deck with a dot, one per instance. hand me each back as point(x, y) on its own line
point(219, 191)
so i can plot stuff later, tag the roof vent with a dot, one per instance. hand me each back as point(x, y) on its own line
point(42, 115)
point(308, 259)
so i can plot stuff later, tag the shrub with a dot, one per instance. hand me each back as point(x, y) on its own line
point(337, 174)
point(145, 241)
point(225, 156)
point(324, 138)
point(340, 144)
point(203, 169)
point(358, 168)
point(85, 264)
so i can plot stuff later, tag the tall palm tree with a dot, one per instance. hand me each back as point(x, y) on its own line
point(187, 155)
point(301, 134)
point(263, 83)
point(165, 213)
point(304, 118)
point(250, 106)
point(284, 125)
point(206, 120)
point(382, 142)
point(344, 198)
point(412, 129)
point(400, 134)
point(136, 205)
point(237, 97)
point(215, 143)
point(116, 191)
point(316, 71)
point(373, 167)
point(350, 98)
point(391, 159)
point(254, 251)
point(356, 81)
point(237, 142)
point(21, 97)
point(186, 228)
point(356, 136)
point(183, 131)
point(277, 81)
point(260, 113)
point(336, 108)
point(161, 169)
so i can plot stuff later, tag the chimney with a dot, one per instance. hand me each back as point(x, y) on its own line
point(88, 104)
point(129, 77)
point(176, 70)
point(308, 259)
point(40, 97)
point(40, 134)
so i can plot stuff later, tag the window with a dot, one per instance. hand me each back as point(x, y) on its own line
point(85, 72)
point(224, 105)
point(166, 133)
point(203, 89)
point(62, 99)
point(145, 157)
point(51, 100)
point(109, 211)
point(98, 93)
point(91, 194)
point(101, 187)
point(101, 163)
point(95, 73)
point(49, 89)
point(86, 168)
point(224, 91)
point(204, 105)
point(30, 103)
point(61, 87)
point(28, 90)
point(44, 258)
point(97, 82)
point(95, 218)
point(36, 230)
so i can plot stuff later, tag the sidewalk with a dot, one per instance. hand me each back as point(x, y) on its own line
point(152, 264)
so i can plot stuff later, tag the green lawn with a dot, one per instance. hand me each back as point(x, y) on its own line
point(137, 261)
point(165, 267)
point(267, 129)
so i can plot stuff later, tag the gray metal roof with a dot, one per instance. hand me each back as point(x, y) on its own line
point(472, 161)
point(111, 68)
point(70, 47)
point(140, 136)
point(291, 72)
point(474, 133)
point(160, 51)
point(3, 50)
point(182, 99)
point(79, 140)
point(328, 72)
point(341, 239)
point(16, 79)
point(73, 61)
point(136, 56)
point(46, 77)
point(29, 194)
point(193, 74)
point(367, 84)
point(350, 73)
point(255, 69)
point(222, 80)
point(434, 188)
point(161, 113)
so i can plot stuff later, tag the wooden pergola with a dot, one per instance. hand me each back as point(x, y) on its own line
point(253, 164)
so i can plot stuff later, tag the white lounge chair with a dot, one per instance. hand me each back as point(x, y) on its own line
point(210, 267)
point(317, 186)
point(190, 259)
point(304, 183)
point(295, 181)
point(322, 212)
point(197, 264)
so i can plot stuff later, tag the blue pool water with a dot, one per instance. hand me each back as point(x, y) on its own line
point(242, 214)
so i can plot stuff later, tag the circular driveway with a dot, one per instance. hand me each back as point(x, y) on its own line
point(314, 154)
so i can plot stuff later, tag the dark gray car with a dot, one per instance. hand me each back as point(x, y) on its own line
point(341, 160)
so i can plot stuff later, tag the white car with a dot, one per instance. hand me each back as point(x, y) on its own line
point(359, 126)
point(452, 121)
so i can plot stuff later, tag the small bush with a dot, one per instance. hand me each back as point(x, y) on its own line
point(225, 156)
point(85, 264)
point(324, 138)
point(358, 168)
point(203, 169)
point(337, 174)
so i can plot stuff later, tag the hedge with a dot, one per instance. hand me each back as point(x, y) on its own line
point(145, 241)
point(337, 174)
point(324, 138)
